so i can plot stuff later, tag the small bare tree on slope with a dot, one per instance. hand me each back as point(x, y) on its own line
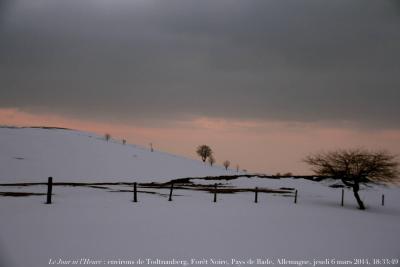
point(204, 152)
point(226, 164)
point(211, 160)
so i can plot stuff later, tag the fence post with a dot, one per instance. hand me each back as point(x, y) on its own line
point(295, 197)
point(256, 195)
point(49, 190)
point(215, 193)
point(383, 200)
point(170, 192)
point(342, 203)
point(134, 192)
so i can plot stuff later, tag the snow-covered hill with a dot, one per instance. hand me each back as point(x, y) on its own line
point(102, 226)
point(33, 154)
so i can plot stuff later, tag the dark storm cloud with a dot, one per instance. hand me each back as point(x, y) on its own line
point(292, 60)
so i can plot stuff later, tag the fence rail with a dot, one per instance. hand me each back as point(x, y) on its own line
point(183, 184)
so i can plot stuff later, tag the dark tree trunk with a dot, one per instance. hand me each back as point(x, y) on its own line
point(356, 188)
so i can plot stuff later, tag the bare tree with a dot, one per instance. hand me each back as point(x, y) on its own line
point(211, 160)
point(123, 141)
point(107, 136)
point(354, 167)
point(237, 167)
point(204, 152)
point(226, 164)
point(151, 147)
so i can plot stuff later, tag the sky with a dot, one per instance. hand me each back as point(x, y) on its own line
point(264, 83)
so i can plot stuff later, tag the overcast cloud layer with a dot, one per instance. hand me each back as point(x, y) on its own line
point(281, 60)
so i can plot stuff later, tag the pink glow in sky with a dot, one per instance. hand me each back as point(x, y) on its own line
point(258, 146)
